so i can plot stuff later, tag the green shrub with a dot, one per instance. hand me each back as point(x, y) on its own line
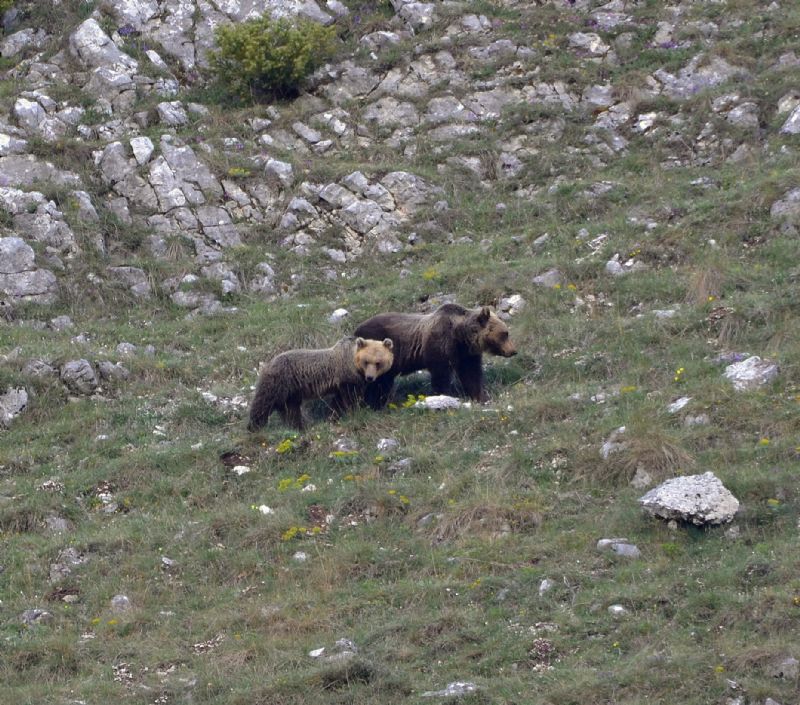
point(270, 58)
point(5, 5)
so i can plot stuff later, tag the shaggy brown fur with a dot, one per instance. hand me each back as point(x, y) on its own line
point(449, 340)
point(341, 371)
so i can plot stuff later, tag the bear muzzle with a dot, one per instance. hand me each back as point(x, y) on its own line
point(508, 350)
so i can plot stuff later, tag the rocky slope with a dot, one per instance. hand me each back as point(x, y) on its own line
point(109, 91)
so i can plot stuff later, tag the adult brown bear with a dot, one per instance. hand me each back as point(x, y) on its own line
point(449, 340)
point(341, 371)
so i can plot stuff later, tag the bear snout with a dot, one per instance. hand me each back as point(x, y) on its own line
point(369, 377)
point(509, 351)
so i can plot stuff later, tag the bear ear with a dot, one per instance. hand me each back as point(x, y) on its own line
point(484, 315)
point(360, 343)
point(388, 344)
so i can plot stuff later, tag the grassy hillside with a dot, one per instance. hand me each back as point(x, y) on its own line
point(429, 556)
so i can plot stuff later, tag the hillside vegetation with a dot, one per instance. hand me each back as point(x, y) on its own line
point(619, 180)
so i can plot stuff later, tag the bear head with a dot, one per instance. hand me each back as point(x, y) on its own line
point(488, 333)
point(373, 357)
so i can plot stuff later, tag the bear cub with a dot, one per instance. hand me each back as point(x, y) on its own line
point(342, 371)
point(447, 341)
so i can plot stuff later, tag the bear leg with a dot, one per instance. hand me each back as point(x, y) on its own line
point(377, 393)
point(440, 379)
point(470, 375)
point(345, 399)
point(292, 413)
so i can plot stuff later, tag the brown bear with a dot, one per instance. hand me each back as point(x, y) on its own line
point(341, 371)
point(450, 339)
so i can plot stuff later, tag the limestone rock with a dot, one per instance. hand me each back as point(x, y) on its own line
point(389, 112)
point(786, 211)
point(453, 690)
point(751, 373)
point(416, 15)
point(589, 43)
point(94, 48)
point(27, 170)
point(36, 616)
point(15, 255)
point(410, 192)
point(79, 376)
point(19, 278)
point(792, 124)
point(699, 499)
point(697, 76)
point(134, 278)
point(172, 114)
point(550, 279)
point(439, 402)
point(622, 547)
point(112, 371)
point(279, 171)
point(12, 404)
point(18, 42)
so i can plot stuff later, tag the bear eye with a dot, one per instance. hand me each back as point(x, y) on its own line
point(504, 336)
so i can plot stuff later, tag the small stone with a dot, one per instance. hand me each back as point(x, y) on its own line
point(550, 279)
point(541, 241)
point(619, 546)
point(439, 402)
point(664, 313)
point(628, 550)
point(545, 586)
point(345, 445)
point(110, 371)
point(792, 124)
point(678, 404)
point(172, 114)
point(60, 323)
point(613, 444)
point(300, 556)
point(120, 603)
point(126, 349)
point(338, 315)
point(787, 669)
point(399, 467)
point(79, 376)
point(641, 479)
point(316, 653)
point(453, 690)
point(240, 469)
point(264, 509)
point(387, 445)
point(35, 616)
point(732, 533)
point(57, 525)
point(697, 420)
point(614, 268)
point(12, 404)
point(617, 611)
